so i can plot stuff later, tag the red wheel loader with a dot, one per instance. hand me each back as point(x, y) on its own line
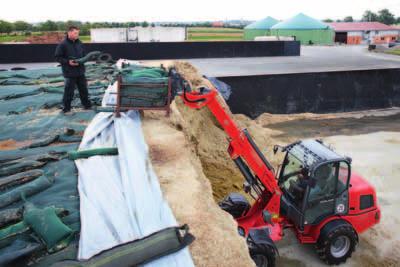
point(314, 192)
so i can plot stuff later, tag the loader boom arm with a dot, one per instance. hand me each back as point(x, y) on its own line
point(242, 148)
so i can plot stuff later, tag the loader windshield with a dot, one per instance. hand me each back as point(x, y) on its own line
point(293, 180)
point(291, 170)
point(294, 177)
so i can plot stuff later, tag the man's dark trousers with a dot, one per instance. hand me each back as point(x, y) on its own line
point(70, 84)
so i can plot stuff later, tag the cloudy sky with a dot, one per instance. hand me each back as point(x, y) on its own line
point(179, 10)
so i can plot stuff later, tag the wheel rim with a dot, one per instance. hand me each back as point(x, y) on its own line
point(260, 260)
point(340, 246)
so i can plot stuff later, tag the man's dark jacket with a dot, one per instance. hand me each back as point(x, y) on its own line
point(67, 50)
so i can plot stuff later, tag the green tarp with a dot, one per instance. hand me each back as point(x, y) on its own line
point(40, 137)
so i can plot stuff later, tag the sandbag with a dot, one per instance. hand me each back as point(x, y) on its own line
point(28, 189)
point(43, 142)
point(17, 249)
point(69, 138)
point(10, 216)
point(48, 226)
point(18, 95)
point(68, 253)
point(19, 178)
point(53, 89)
point(45, 157)
point(13, 230)
point(140, 251)
point(110, 151)
point(21, 166)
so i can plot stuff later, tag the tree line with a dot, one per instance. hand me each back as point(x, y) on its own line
point(49, 25)
point(383, 16)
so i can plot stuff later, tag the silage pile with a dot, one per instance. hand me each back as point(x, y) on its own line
point(209, 139)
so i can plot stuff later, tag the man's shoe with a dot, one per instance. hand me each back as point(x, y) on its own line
point(68, 112)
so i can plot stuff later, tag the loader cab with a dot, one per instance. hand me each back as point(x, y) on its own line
point(314, 181)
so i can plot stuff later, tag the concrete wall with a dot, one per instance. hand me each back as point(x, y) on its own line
point(23, 53)
point(138, 34)
point(314, 92)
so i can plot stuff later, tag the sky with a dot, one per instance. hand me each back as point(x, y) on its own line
point(179, 10)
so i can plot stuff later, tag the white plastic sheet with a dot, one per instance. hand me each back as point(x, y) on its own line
point(120, 196)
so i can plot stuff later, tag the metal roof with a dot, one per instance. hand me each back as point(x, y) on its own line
point(360, 26)
point(263, 24)
point(312, 152)
point(301, 22)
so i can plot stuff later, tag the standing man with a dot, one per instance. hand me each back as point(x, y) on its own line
point(74, 73)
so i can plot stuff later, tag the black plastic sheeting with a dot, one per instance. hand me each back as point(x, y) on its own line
point(24, 53)
point(314, 92)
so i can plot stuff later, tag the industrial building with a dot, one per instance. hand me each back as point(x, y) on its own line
point(259, 28)
point(305, 29)
point(364, 32)
point(138, 34)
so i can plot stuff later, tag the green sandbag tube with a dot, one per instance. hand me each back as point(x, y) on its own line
point(43, 142)
point(13, 230)
point(10, 216)
point(19, 178)
point(140, 251)
point(48, 226)
point(29, 189)
point(83, 154)
point(23, 226)
point(21, 166)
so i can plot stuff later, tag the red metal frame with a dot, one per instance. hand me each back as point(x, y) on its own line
point(239, 146)
point(119, 106)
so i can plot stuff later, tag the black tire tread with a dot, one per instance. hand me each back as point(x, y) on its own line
point(269, 252)
point(323, 244)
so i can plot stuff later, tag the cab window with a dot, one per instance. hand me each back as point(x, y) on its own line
point(343, 177)
point(291, 170)
point(325, 181)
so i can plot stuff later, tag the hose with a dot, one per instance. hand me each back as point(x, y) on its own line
point(90, 56)
point(95, 55)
